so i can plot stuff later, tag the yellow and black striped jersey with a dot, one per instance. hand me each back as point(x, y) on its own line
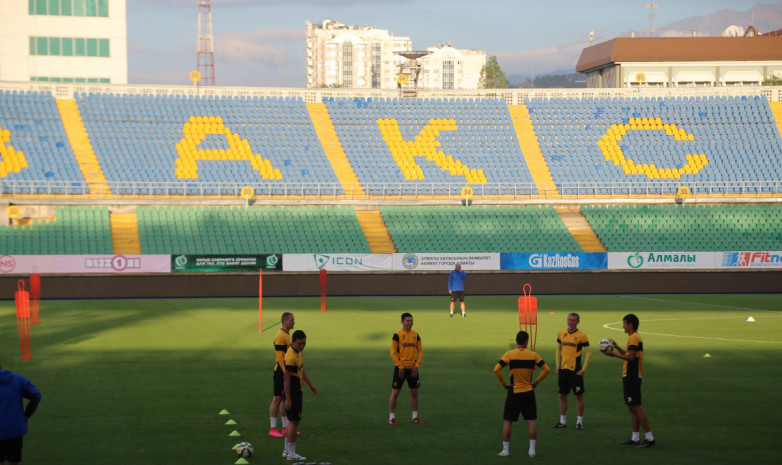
point(634, 369)
point(522, 363)
point(281, 344)
point(406, 349)
point(569, 349)
point(294, 362)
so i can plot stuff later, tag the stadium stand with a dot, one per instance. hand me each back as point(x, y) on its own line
point(624, 228)
point(659, 143)
point(478, 229)
point(239, 230)
point(214, 145)
point(430, 146)
point(36, 155)
point(73, 231)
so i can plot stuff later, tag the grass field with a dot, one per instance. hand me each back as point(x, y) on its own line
point(143, 381)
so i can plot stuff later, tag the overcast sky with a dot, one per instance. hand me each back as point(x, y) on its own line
point(260, 43)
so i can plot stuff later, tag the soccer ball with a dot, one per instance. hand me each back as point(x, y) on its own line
point(244, 450)
point(606, 345)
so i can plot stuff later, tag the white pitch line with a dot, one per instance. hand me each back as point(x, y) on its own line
point(702, 303)
point(607, 326)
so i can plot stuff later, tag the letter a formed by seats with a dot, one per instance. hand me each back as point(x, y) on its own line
point(426, 145)
point(197, 129)
point(11, 160)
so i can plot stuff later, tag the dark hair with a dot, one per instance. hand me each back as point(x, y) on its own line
point(578, 317)
point(285, 316)
point(298, 334)
point(632, 319)
point(405, 315)
point(522, 337)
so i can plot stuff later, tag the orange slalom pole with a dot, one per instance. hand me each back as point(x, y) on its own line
point(22, 298)
point(322, 290)
point(35, 294)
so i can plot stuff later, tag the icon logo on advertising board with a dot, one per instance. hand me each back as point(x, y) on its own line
point(410, 261)
point(7, 264)
point(321, 260)
point(180, 261)
point(535, 261)
point(271, 261)
point(635, 261)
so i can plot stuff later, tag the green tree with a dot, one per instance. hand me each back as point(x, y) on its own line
point(773, 80)
point(492, 76)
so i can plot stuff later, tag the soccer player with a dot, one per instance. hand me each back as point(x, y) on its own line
point(294, 375)
point(406, 352)
point(456, 287)
point(13, 419)
point(632, 371)
point(521, 395)
point(281, 344)
point(572, 344)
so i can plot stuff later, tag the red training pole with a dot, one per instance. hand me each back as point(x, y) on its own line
point(528, 314)
point(260, 300)
point(322, 289)
point(22, 298)
point(35, 293)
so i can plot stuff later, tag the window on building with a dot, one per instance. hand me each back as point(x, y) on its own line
point(376, 65)
point(89, 8)
point(347, 64)
point(447, 74)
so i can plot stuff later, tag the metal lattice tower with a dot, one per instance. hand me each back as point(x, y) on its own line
point(205, 51)
point(651, 7)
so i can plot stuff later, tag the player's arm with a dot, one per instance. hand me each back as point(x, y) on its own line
point(287, 387)
point(543, 373)
point(498, 373)
point(419, 350)
point(558, 356)
point(308, 381)
point(279, 353)
point(395, 351)
point(31, 393)
point(587, 357)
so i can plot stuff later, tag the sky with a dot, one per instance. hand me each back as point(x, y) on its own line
point(261, 43)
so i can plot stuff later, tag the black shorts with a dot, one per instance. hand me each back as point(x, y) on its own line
point(297, 402)
point(413, 382)
point(522, 403)
point(570, 381)
point(631, 389)
point(11, 449)
point(457, 295)
point(279, 383)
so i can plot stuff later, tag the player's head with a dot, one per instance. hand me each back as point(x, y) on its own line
point(631, 320)
point(573, 320)
point(287, 320)
point(521, 338)
point(407, 321)
point(298, 340)
point(458, 267)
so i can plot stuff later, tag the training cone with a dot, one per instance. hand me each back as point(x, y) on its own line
point(242, 461)
point(707, 356)
point(224, 412)
point(236, 446)
point(751, 320)
point(234, 433)
point(230, 422)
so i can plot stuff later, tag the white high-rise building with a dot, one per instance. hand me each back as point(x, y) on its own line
point(363, 57)
point(64, 41)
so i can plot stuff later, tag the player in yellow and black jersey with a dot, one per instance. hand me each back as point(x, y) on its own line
point(295, 375)
point(632, 371)
point(407, 353)
point(572, 359)
point(521, 395)
point(281, 344)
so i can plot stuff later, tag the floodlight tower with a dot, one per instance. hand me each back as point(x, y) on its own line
point(651, 7)
point(205, 51)
point(409, 71)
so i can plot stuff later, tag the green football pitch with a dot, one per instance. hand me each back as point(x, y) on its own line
point(144, 381)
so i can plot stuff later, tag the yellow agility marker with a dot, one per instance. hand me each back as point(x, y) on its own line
point(609, 145)
point(426, 145)
point(195, 132)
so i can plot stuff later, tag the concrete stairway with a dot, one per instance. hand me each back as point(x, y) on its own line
point(580, 229)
